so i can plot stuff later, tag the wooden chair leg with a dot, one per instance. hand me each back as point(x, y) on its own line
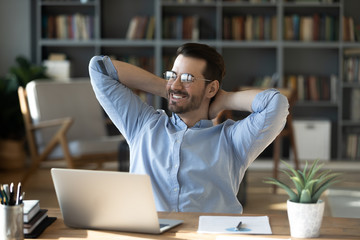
point(276, 158)
point(293, 144)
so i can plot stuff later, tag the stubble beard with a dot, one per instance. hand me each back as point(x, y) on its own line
point(194, 103)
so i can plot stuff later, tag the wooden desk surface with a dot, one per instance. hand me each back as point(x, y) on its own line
point(332, 229)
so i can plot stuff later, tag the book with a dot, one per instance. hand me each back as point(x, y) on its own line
point(132, 28)
point(306, 29)
point(41, 227)
point(151, 28)
point(31, 208)
point(355, 104)
point(35, 221)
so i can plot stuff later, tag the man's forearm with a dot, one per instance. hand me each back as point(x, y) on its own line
point(137, 78)
point(241, 100)
point(237, 101)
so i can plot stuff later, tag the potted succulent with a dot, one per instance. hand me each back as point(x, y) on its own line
point(304, 207)
point(12, 133)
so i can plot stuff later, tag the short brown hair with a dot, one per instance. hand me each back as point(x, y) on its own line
point(215, 67)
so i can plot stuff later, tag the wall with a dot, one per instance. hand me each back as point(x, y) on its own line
point(15, 32)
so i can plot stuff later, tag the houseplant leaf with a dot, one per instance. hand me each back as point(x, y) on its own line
point(305, 196)
point(292, 195)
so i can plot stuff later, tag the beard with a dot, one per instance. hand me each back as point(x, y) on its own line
point(193, 103)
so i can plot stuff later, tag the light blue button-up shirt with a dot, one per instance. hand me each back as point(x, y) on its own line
point(197, 169)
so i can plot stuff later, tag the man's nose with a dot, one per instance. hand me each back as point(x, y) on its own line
point(177, 83)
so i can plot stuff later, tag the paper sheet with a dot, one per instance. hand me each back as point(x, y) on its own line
point(246, 238)
point(227, 224)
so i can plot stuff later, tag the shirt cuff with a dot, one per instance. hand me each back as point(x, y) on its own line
point(262, 99)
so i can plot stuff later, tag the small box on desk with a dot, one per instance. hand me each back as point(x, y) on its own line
point(313, 139)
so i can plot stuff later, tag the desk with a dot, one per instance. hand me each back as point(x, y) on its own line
point(332, 229)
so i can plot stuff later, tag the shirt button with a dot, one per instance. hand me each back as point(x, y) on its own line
point(175, 189)
point(176, 166)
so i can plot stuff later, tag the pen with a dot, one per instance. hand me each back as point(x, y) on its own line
point(18, 193)
point(12, 194)
point(22, 198)
point(7, 192)
point(5, 198)
point(1, 196)
point(238, 227)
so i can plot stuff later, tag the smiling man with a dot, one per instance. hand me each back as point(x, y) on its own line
point(194, 166)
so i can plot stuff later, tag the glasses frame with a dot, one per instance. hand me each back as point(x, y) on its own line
point(186, 78)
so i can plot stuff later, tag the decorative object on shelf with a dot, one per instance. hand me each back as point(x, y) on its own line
point(58, 67)
point(305, 209)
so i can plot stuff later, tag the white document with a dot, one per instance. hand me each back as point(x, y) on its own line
point(246, 238)
point(228, 224)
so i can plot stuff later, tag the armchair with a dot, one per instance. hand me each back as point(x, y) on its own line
point(64, 121)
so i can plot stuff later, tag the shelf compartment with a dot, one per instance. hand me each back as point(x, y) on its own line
point(244, 65)
point(117, 15)
point(311, 61)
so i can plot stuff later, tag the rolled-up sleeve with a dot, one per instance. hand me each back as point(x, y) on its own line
point(125, 109)
point(253, 134)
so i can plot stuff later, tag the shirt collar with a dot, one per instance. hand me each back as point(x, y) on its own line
point(176, 120)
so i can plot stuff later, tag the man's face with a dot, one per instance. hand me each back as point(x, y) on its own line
point(183, 100)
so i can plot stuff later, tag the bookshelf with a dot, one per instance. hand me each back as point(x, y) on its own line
point(275, 48)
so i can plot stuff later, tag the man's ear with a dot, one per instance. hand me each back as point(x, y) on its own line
point(212, 88)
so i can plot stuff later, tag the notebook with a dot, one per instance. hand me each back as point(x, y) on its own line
point(108, 200)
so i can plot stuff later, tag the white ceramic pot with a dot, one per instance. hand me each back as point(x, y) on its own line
point(305, 218)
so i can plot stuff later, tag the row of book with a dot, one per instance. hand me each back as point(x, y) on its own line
point(250, 27)
point(352, 150)
point(311, 28)
point(181, 27)
point(351, 31)
point(314, 88)
point(76, 26)
point(141, 27)
point(36, 219)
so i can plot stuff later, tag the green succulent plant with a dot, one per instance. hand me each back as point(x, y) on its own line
point(309, 183)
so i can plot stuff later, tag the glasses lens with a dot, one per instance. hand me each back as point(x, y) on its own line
point(187, 78)
point(169, 75)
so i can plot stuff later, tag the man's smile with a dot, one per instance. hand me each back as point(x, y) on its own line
point(177, 96)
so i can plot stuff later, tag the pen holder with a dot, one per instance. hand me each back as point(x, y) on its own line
point(11, 222)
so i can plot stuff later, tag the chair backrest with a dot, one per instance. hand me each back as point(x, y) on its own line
point(50, 100)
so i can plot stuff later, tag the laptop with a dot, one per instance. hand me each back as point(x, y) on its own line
point(108, 200)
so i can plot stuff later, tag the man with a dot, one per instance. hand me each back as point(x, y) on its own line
point(194, 166)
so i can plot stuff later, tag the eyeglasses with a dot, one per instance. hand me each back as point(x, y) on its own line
point(185, 78)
